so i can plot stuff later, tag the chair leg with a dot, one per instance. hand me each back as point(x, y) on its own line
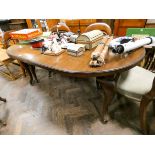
point(143, 114)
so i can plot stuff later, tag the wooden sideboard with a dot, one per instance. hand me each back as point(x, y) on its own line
point(73, 24)
point(50, 23)
point(81, 24)
point(118, 26)
point(78, 24)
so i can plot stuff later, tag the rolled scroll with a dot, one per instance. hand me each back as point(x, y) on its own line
point(100, 53)
point(123, 48)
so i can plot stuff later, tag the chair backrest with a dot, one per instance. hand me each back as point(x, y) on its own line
point(140, 31)
point(99, 26)
point(6, 39)
point(60, 27)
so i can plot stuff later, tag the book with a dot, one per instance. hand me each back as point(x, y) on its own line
point(26, 34)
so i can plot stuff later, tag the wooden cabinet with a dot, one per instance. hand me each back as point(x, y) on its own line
point(17, 24)
point(50, 22)
point(73, 24)
point(78, 24)
point(4, 24)
point(81, 24)
point(121, 25)
point(150, 23)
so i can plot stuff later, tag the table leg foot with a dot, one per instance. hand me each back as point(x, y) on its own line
point(2, 99)
point(105, 119)
point(31, 82)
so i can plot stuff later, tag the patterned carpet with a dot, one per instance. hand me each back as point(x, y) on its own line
point(61, 105)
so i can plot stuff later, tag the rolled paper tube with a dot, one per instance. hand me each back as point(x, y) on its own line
point(116, 41)
point(100, 55)
point(96, 53)
point(122, 48)
point(104, 52)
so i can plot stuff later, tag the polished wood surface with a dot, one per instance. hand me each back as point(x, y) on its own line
point(75, 66)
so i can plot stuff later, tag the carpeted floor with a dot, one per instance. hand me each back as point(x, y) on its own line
point(61, 105)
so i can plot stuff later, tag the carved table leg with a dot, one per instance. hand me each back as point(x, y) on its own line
point(108, 87)
point(32, 68)
point(26, 66)
point(143, 114)
point(2, 99)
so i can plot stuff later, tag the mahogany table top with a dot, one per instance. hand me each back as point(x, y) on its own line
point(75, 66)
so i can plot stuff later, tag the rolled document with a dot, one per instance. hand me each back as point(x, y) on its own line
point(126, 47)
point(100, 53)
point(95, 54)
point(120, 40)
point(104, 52)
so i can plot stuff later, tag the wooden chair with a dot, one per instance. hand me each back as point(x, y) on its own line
point(5, 60)
point(6, 40)
point(60, 27)
point(138, 84)
point(99, 26)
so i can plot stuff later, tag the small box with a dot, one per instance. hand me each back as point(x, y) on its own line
point(26, 34)
point(76, 49)
point(90, 39)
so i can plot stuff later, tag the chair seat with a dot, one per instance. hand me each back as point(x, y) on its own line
point(135, 82)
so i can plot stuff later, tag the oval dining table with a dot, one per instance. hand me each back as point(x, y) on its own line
point(78, 67)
